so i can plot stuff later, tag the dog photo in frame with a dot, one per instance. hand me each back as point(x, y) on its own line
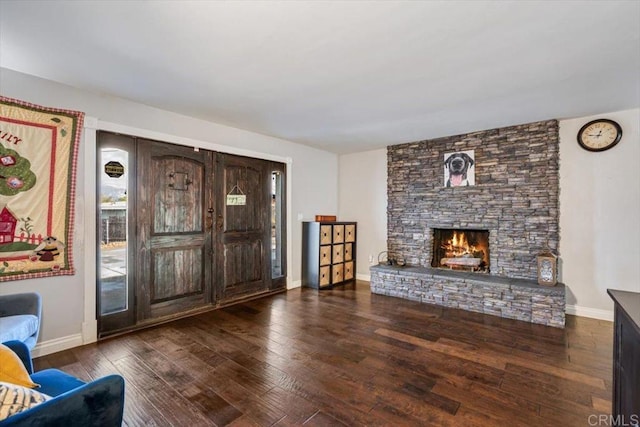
point(459, 170)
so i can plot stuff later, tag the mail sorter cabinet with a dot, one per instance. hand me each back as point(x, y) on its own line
point(328, 253)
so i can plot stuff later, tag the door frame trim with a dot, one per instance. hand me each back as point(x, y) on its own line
point(87, 203)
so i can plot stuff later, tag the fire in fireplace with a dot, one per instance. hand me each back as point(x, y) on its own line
point(461, 249)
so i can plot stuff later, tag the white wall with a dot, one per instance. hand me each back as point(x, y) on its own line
point(314, 176)
point(599, 216)
point(363, 198)
point(599, 213)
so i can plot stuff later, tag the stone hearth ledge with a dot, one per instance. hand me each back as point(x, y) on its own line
point(519, 299)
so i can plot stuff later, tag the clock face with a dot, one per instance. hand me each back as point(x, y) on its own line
point(599, 135)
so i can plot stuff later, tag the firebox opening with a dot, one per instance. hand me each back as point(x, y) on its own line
point(460, 249)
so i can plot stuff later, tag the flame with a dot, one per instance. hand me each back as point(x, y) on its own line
point(455, 247)
point(458, 245)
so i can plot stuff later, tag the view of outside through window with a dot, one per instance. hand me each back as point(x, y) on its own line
point(113, 230)
point(276, 224)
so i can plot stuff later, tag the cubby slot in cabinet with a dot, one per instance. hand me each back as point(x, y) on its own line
point(328, 254)
point(325, 255)
point(338, 233)
point(338, 273)
point(325, 276)
point(347, 251)
point(348, 270)
point(338, 254)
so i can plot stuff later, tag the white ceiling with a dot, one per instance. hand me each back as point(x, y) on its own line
point(341, 76)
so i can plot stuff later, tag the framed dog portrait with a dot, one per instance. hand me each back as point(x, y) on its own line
point(459, 170)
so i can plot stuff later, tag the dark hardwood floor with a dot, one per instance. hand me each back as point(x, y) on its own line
point(346, 357)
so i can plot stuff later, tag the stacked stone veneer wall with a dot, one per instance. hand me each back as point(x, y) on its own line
point(515, 196)
point(499, 296)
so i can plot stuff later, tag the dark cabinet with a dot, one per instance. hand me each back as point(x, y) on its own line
point(626, 357)
point(328, 253)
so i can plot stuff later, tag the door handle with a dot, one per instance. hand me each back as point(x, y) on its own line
point(209, 220)
point(220, 223)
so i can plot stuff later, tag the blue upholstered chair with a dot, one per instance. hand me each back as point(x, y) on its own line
point(99, 403)
point(20, 318)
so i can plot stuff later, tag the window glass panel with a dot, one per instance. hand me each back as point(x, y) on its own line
point(277, 183)
point(113, 216)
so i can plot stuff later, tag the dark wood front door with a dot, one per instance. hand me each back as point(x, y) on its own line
point(175, 218)
point(243, 226)
point(200, 229)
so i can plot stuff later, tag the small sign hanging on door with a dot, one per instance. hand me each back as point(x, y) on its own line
point(114, 169)
point(236, 199)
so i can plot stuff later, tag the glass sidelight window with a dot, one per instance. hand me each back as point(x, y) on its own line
point(115, 181)
point(277, 225)
point(114, 208)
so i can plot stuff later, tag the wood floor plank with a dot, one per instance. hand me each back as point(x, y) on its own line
point(320, 419)
point(297, 409)
point(514, 383)
point(487, 356)
point(561, 415)
point(603, 406)
point(347, 357)
point(214, 407)
point(169, 402)
point(244, 421)
point(489, 407)
point(139, 411)
point(473, 356)
point(137, 408)
point(248, 403)
point(171, 373)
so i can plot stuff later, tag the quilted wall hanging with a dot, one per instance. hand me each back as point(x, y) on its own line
point(38, 161)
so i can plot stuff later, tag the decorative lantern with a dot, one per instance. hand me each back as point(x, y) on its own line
point(547, 269)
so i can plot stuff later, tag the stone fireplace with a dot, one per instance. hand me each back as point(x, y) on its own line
point(512, 208)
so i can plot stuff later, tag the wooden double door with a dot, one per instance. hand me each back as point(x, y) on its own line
point(201, 229)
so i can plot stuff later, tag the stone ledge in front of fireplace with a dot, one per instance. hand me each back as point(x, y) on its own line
point(519, 299)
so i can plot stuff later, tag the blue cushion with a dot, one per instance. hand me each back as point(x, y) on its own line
point(18, 327)
point(54, 382)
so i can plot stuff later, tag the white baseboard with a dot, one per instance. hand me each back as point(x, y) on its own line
point(295, 284)
point(56, 345)
point(89, 331)
point(365, 277)
point(593, 313)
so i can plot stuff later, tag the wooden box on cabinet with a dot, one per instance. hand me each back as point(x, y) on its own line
point(328, 254)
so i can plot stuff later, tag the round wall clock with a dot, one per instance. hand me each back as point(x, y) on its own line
point(599, 135)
